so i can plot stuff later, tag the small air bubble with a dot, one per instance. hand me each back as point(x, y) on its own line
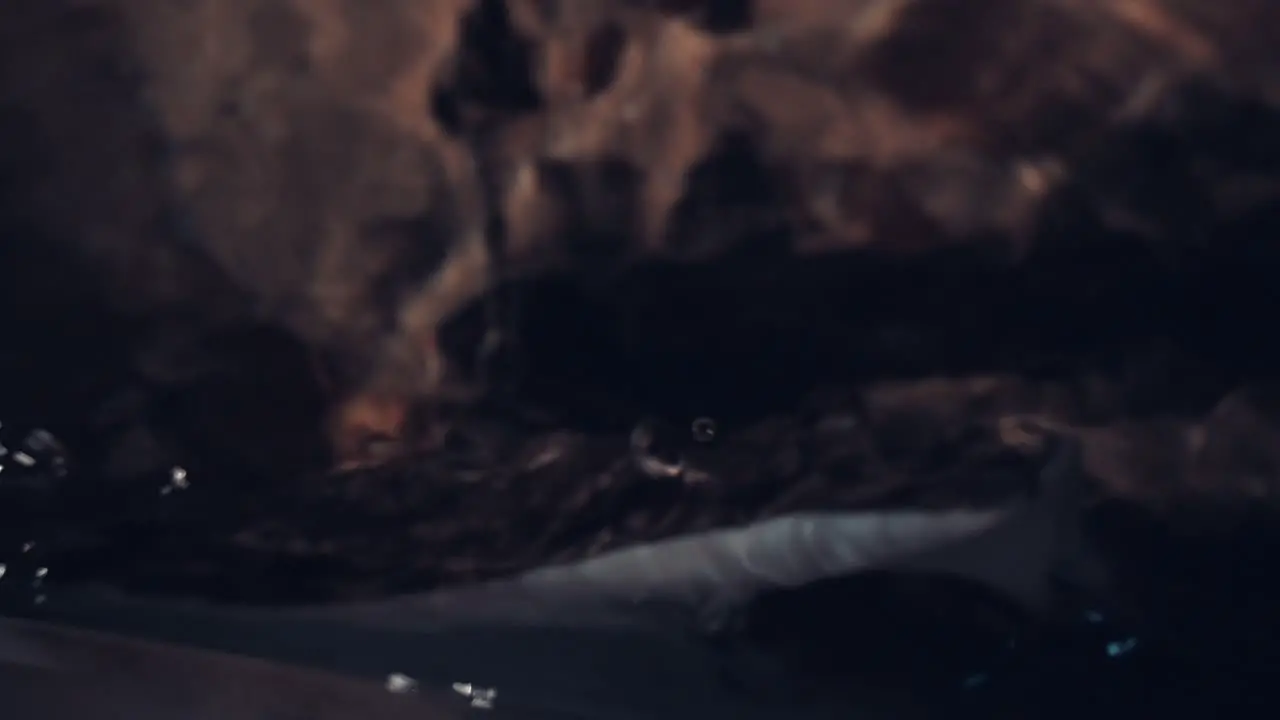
point(24, 459)
point(1116, 649)
point(28, 546)
point(400, 683)
point(178, 480)
point(42, 572)
point(3, 569)
point(40, 440)
point(39, 599)
point(481, 698)
point(704, 429)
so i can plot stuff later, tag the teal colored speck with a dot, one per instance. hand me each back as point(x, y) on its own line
point(975, 680)
point(1093, 616)
point(1116, 649)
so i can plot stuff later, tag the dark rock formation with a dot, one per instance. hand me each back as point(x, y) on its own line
point(885, 244)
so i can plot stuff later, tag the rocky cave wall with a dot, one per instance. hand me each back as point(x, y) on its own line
point(959, 215)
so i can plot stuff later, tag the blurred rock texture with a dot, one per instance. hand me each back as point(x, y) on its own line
point(948, 225)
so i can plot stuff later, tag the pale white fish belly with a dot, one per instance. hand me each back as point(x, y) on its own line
point(720, 568)
point(784, 552)
point(716, 569)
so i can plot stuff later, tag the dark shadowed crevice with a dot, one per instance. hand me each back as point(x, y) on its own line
point(714, 16)
point(603, 53)
point(493, 80)
point(273, 439)
point(492, 73)
point(938, 55)
point(744, 340)
point(752, 333)
point(733, 202)
point(726, 16)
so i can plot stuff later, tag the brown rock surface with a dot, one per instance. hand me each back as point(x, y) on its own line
point(963, 217)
